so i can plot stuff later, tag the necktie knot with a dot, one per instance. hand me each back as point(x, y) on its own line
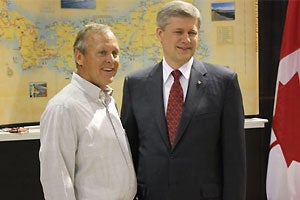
point(176, 74)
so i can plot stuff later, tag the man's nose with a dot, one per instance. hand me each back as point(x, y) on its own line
point(186, 37)
point(110, 58)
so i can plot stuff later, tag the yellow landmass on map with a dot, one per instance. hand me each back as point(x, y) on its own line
point(31, 48)
point(64, 45)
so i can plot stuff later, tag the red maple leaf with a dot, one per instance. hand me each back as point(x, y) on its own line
point(286, 121)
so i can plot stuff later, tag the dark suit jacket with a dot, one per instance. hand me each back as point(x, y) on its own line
point(208, 158)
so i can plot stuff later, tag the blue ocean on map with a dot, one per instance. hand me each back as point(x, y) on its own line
point(90, 4)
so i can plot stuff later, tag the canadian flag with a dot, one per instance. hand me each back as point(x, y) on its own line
point(283, 175)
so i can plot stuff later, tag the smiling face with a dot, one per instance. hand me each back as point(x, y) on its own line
point(100, 61)
point(179, 40)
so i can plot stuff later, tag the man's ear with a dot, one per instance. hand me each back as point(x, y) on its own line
point(159, 33)
point(78, 57)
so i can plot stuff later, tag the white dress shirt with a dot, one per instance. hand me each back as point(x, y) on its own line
point(84, 152)
point(168, 79)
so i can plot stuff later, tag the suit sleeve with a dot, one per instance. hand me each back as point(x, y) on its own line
point(233, 143)
point(129, 121)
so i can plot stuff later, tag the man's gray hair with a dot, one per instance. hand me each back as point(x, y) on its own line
point(177, 9)
point(81, 38)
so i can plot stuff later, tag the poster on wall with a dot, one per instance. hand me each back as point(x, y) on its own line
point(36, 39)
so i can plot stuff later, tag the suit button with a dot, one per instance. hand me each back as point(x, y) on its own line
point(172, 156)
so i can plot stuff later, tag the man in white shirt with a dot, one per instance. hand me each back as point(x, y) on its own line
point(84, 152)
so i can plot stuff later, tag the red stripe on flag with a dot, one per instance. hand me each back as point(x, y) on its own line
point(291, 34)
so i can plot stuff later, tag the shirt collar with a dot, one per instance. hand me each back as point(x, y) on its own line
point(184, 69)
point(92, 90)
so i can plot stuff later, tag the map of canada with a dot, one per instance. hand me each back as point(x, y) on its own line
point(36, 39)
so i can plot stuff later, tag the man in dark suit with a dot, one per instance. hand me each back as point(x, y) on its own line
point(204, 158)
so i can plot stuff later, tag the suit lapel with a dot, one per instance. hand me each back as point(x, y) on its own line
point(196, 89)
point(156, 101)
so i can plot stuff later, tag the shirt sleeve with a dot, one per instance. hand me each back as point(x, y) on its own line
point(57, 154)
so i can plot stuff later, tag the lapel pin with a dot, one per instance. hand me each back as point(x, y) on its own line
point(198, 83)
